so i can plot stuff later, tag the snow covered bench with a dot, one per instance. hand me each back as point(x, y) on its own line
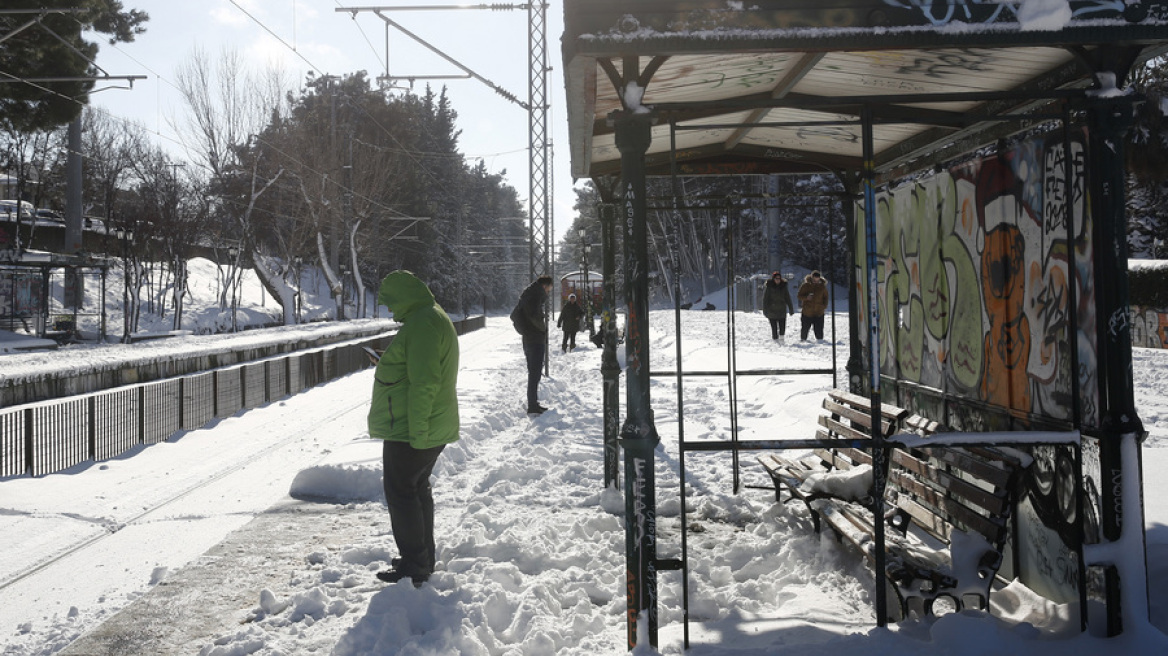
point(947, 508)
point(846, 418)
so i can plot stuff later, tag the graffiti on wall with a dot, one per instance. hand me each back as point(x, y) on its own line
point(980, 269)
point(1149, 327)
point(986, 311)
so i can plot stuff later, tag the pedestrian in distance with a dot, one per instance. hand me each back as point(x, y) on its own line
point(530, 320)
point(415, 413)
point(776, 305)
point(813, 301)
point(569, 321)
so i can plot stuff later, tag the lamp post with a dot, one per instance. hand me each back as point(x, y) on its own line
point(299, 303)
point(588, 292)
point(343, 314)
point(232, 253)
point(125, 239)
point(584, 263)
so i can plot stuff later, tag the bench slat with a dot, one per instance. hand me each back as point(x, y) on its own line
point(932, 505)
point(890, 411)
point(842, 429)
point(857, 416)
point(996, 474)
point(987, 500)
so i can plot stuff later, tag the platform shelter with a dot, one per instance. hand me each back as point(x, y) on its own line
point(981, 145)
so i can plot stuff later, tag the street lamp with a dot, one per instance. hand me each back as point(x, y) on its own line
point(125, 239)
point(344, 284)
point(299, 303)
point(585, 248)
point(232, 253)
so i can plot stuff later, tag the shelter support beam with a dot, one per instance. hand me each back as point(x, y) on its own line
point(879, 455)
point(609, 368)
point(638, 436)
point(1109, 121)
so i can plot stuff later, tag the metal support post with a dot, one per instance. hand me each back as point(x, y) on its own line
point(1110, 120)
point(609, 369)
point(879, 455)
point(638, 436)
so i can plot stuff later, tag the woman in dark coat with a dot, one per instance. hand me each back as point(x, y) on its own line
point(570, 316)
point(776, 305)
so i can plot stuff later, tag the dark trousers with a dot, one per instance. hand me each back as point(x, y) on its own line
point(569, 339)
point(411, 503)
point(809, 323)
point(534, 349)
point(778, 326)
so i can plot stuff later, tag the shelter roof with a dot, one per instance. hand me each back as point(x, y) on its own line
point(775, 86)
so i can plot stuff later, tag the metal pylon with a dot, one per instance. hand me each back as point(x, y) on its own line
point(539, 150)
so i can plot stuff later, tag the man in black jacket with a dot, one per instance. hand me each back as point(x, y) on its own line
point(531, 322)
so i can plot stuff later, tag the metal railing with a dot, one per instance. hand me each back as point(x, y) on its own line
point(49, 436)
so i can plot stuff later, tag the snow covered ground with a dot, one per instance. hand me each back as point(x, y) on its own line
point(261, 533)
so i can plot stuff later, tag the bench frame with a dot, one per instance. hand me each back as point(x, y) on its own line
point(931, 494)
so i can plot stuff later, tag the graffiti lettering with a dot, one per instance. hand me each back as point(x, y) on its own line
point(966, 61)
point(1117, 495)
point(631, 609)
point(1118, 324)
point(840, 134)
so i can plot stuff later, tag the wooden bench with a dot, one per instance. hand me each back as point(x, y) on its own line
point(947, 509)
point(846, 417)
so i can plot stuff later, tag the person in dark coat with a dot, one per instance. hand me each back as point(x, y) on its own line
point(813, 299)
point(570, 316)
point(531, 322)
point(776, 305)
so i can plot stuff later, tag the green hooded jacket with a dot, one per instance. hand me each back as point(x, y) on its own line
point(415, 388)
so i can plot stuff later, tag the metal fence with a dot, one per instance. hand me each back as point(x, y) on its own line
point(46, 437)
point(49, 436)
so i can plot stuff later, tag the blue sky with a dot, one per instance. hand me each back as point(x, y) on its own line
point(310, 35)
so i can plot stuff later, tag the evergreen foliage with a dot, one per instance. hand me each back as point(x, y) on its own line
point(1148, 287)
point(53, 47)
point(1147, 159)
point(380, 179)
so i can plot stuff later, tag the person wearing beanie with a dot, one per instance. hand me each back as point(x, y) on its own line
point(813, 300)
point(569, 321)
point(776, 305)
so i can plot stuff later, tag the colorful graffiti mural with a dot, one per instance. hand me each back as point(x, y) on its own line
point(980, 269)
point(1149, 327)
point(987, 316)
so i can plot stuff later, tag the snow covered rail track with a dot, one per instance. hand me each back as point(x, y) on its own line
point(113, 528)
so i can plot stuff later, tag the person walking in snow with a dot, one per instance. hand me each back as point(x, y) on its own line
point(813, 300)
point(415, 413)
point(530, 320)
point(570, 316)
point(776, 305)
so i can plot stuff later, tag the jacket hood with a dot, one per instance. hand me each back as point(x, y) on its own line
point(402, 292)
point(808, 278)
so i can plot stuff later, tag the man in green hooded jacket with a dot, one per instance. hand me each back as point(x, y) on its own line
point(415, 412)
